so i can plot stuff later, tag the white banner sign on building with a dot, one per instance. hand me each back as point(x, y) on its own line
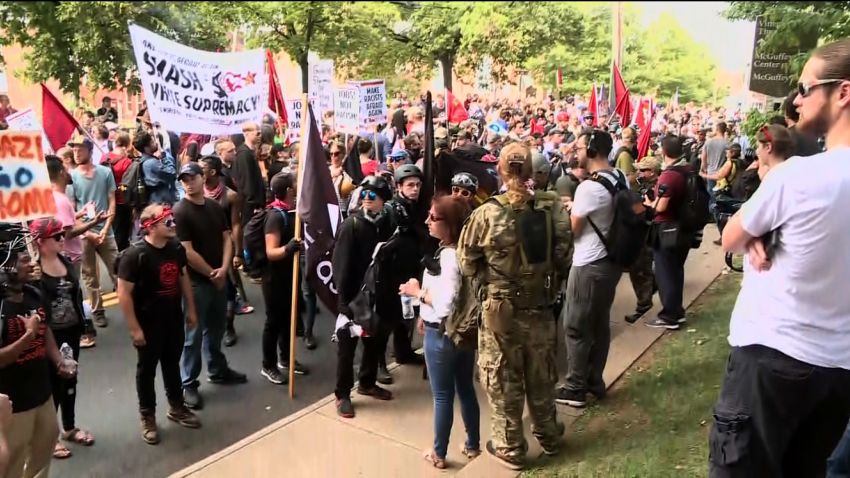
point(373, 101)
point(194, 91)
point(320, 85)
point(347, 109)
point(294, 113)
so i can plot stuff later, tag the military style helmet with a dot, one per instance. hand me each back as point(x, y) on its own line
point(377, 184)
point(408, 171)
point(465, 181)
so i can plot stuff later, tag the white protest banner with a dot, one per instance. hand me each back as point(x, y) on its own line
point(320, 86)
point(4, 83)
point(26, 120)
point(347, 109)
point(373, 101)
point(194, 91)
point(25, 191)
point(294, 113)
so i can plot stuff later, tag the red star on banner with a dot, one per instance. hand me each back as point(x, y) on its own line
point(249, 78)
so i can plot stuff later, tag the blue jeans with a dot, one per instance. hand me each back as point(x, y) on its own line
point(449, 370)
point(210, 304)
point(838, 465)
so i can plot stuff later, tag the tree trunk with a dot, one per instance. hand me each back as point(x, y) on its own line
point(447, 63)
point(305, 72)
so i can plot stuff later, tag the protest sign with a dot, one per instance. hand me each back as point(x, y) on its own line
point(373, 101)
point(4, 83)
point(294, 113)
point(347, 109)
point(25, 191)
point(320, 86)
point(26, 120)
point(194, 91)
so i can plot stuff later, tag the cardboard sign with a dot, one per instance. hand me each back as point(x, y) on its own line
point(196, 91)
point(320, 86)
point(294, 113)
point(26, 120)
point(347, 110)
point(373, 101)
point(25, 191)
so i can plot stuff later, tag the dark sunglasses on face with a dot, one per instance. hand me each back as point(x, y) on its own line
point(804, 89)
point(463, 192)
point(334, 154)
point(169, 222)
point(371, 195)
point(58, 236)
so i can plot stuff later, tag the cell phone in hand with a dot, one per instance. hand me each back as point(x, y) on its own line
point(90, 211)
point(771, 243)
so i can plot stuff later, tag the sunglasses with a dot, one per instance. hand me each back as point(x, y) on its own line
point(434, 218)
point(804, 89)
point(371, 195)
point(644, 170)
point(463, 192)
point(335, 154)
point(58, 236)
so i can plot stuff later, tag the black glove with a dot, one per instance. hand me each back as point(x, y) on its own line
point(293, 245)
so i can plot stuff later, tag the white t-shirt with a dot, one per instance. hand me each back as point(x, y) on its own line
point(800, 306)
point(442, 288)
point(592, 200)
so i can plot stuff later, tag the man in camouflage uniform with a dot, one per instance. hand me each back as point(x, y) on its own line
point(640, 273)
point(518, 246)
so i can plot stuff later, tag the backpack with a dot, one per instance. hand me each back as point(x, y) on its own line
point(629, 228)
point(140, 244)
point(133, 185)
point(363, 307)
point(693, 212)
point(254, 242)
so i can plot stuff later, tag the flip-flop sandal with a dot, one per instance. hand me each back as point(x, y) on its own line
point(431, 457)
point(469, 453)
point(61, 452)
point(80, 437)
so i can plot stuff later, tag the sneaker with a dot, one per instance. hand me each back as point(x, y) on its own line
point(344, 408)
point(599, 391)
point(299, 368)
point(632, 318)
point(100, 320)
point(228, 377)
point(571, 398)
point(506, 461)
point(244, 309)
point(682, 320)
point(663, 324)
point(274, 376)
point(183, 416)
point(192, 398)
point(87, 342)
point(555, 448)
point(310, 342)
point(384, 377)
point(229, 338)
point(150, 433)
point(375, 392)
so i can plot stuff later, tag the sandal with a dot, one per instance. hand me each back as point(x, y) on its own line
point(470, 453)
point(431, 456)
point(61, 452)
point(80, 437)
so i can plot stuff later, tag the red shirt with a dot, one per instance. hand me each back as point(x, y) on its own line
point(119, 165)
point(370, 168)
point(675, 183)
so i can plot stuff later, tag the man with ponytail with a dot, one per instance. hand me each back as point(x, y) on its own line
point(516, 247)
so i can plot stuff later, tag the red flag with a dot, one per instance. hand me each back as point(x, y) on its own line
point(621, 98)
point(454, 109)
point(59, 124)
point(275, 93)
point(592, 106)
point(644, 123)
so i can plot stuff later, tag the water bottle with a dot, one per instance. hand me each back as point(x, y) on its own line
point(407, 307)
point(68, 356)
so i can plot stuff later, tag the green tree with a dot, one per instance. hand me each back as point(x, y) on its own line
point(88, 42)
point(799, 24)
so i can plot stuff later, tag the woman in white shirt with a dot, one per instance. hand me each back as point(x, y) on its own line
point(449, 369)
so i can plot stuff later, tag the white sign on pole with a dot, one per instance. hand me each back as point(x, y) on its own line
point(347, 109)
point(195, 91)
point(320, 85)
point(373, 101)
point(26, 120)
point(294, 113)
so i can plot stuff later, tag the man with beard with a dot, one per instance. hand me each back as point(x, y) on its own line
point(785, 399)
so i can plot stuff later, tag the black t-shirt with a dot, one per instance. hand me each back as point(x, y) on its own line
point(202, 225)
point(155, 274)
point(27, 380)
point(110, 113)
point(275, 222)
point(62, 293)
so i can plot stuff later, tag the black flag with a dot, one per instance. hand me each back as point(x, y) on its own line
point(318, 207)
point(428, 163)
point(352, 163)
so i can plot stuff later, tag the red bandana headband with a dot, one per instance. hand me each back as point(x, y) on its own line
point(148, 223)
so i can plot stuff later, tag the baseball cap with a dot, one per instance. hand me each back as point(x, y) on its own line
point(441, 133)
point(81, 140)
point(563, 116)
point(192, 168)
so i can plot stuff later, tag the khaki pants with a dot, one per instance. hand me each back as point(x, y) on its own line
point(107, 251)
point(31, 436)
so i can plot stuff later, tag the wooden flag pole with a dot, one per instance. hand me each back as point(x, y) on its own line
point(296, 260)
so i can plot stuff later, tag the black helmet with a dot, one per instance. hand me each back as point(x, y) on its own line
point(465, 181)
point(408, 171)
point(377, 184)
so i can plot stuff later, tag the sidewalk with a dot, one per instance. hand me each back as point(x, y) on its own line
point(387, 439)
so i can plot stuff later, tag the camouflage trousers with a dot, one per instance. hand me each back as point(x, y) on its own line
point(643, 279)
point(517, 363)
